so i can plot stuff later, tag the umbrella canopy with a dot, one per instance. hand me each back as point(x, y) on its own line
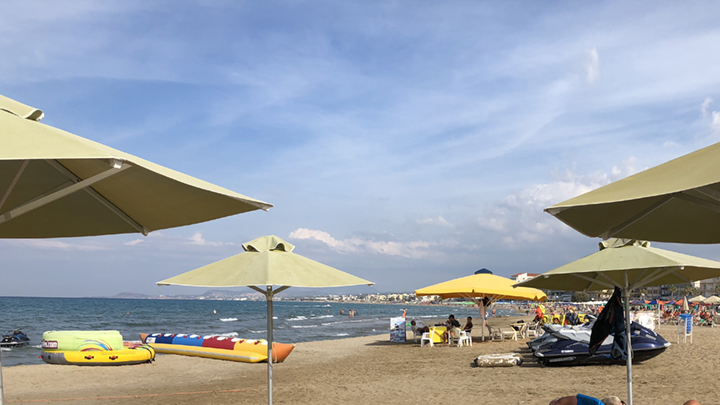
point(643, 265)
point(56, 184)
point(267, 261)
point(678, 201)
point(480, 286)
point(685, 305)
point(712, 300)
point(627, 264)
point(698, 298)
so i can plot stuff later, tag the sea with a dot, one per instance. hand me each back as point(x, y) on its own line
point(294, 321)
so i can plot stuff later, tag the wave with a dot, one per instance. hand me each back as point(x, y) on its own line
point(304, 326)
point(258, 331)
point(343, 334)
point(228, 334)
point(325, 316)
point(5, 349)
point(297, 318)
point(228, 319)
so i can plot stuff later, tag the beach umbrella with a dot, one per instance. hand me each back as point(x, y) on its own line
point(483, 288)
point(677, 201)
point(56, 184)
point(629, 265)
point(266, 262)
point(698, 298)
point(712, 300)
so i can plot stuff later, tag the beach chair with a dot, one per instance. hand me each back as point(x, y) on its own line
point(416, 334)
point(453, 335)
point(465, 339)
point(509, 333)
point(715, 321)
point(532, 330)
point(495, 333)
point(427, 337)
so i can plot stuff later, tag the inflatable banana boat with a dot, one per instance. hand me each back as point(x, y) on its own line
point(216, 347)
point(92, 348)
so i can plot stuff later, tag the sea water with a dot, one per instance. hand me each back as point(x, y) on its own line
point(294, 321)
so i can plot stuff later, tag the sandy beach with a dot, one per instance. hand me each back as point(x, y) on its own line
point(373, 370)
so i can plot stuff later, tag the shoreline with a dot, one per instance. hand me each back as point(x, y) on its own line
point(366, 369)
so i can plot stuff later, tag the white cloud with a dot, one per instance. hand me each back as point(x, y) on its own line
point(197, 239)
point(438, 221)
point(705, 105)
point(60, 245)
point(519, 218)
point(593, 65)
point(134, 242)
point(411, 249)
point(716, 121)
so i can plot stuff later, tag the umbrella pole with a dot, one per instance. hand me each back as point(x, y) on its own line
point(269, 296)
point(482, 319)
point(626, 296)
point(1, 384)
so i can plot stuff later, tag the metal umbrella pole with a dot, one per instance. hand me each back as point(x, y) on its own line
point(268, 293)
point(626, 298)
point(1, 383)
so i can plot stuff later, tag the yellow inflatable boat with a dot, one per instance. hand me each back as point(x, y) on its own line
point(92, 348)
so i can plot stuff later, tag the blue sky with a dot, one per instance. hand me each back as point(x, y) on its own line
point(405, 142)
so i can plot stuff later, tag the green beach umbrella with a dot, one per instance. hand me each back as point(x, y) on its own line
point(677, 201)
point(627, 264)
point(55, 184)
point(267, 261)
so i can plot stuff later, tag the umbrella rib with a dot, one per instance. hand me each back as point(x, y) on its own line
point(104, 201)
point(635, 283)
point(659, 273)
point(47, 199)
point(699, 201)
point(594, 281)
point(14, 182)
point(613, 231)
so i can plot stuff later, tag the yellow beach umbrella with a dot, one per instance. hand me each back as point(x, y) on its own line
point(56, 184)
point(480, 286)
point(677, 201)
point(629, 265)
point(267, 261)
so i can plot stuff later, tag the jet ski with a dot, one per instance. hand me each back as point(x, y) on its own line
point(15, 338)
point(569, 346)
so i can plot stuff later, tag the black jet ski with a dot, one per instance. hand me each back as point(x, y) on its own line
point(15, 338)
point(568, 346)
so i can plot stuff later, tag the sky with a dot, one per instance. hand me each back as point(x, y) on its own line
point(407, 143)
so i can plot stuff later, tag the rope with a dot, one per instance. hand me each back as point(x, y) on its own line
point(130, 396)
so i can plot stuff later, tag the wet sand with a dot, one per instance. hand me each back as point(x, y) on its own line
point(371, 370)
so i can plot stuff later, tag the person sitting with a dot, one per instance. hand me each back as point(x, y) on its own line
point(419, 330)
point(468, 325)
point(453, 326)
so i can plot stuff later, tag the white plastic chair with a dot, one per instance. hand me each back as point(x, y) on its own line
point(511, 334)
point(532, 330)
point(465, 339)
point(427, 337)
